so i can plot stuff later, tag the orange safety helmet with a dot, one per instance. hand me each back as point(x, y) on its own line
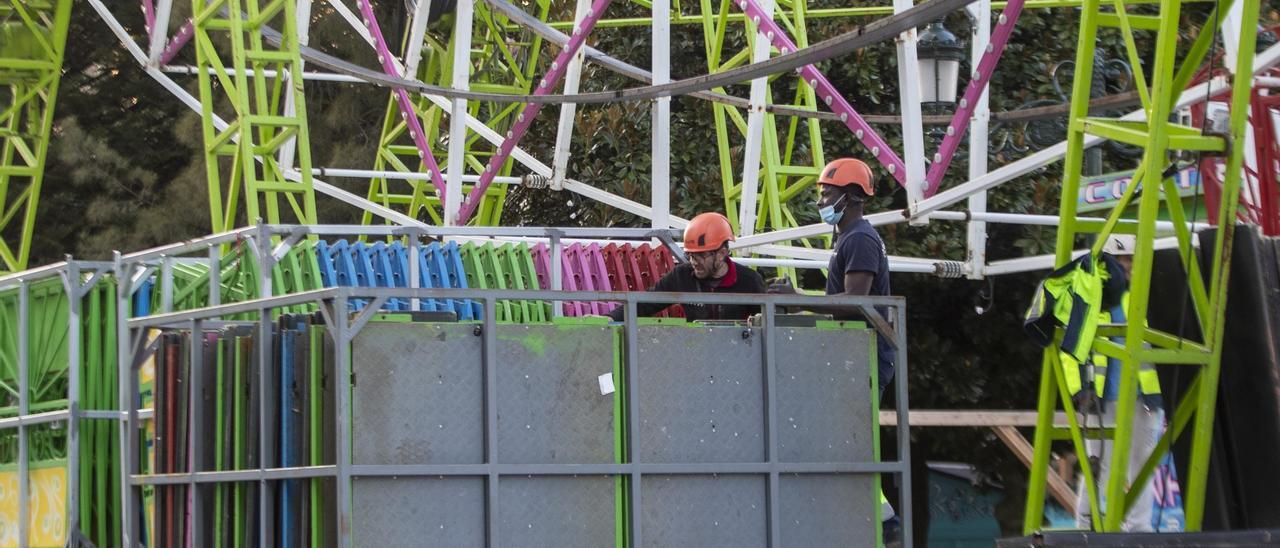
point(848, 171)
point(707, 232)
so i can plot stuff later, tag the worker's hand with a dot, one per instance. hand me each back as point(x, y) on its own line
point(780, 286)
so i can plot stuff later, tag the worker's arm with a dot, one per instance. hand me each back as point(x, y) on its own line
point(859, 256)
point(857, 283)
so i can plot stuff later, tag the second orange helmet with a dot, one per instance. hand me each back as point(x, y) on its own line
point(848, 171)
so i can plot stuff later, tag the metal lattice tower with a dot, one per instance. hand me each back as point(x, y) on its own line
point(782, 171)
point(268, 120)
point(1161, 96)
point(33, 38)
point(504, 60)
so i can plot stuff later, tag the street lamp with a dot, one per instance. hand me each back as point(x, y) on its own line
point(939, 55)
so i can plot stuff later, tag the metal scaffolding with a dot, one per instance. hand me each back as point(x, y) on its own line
point(1159, 137)
point(268, 117)
point(33, 40)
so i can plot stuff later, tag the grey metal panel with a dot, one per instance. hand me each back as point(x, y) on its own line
point(828, 510)
point(418, 512)
point(418, 396)
point(557, 512)
point(704, 511)
point(550, 409)
point(700, 394)
point(824, 395)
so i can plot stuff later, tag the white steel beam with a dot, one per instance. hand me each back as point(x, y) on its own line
point(269, 73)
point(976, 235)
point(912, 123)
point(660, 145)
point(417, 33)
point(159, 32)
point(1231, 41)
point(458, 110)
point(755, 131)
point(303, 22)
point(401, 175)
point(568, 111)
point(1046, 262)
point(813, 230)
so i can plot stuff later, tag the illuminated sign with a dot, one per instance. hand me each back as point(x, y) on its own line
point(1104, 191)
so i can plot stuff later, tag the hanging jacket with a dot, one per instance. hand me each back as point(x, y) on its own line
point(1106, 370)
point(1072, 297)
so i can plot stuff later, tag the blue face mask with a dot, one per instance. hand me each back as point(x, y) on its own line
point(829, 214)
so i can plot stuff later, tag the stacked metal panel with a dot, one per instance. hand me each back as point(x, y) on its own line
point(316, 264)
point(47, 325)
point(456, 445)
point(584, 267)
point(211, 418)
point(166, 376)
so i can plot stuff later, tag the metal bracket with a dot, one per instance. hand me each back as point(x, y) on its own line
point(665, 237)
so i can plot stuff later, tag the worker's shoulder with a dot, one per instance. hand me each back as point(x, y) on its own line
point(681, 269)
point(681, 273)
point(859, 235)
point(862, 229)
point(748, 274)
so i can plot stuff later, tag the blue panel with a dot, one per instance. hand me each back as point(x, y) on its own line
point(142, 299)
point(328, 276)
point(440, 277)
point(425, 280)
point(344, 268)
point(361, 256)
point(398, 258)
point(380, 258)
point(458, 279)
point(290, 435)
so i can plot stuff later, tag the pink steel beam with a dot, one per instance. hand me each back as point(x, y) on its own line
point(402, 98)
point(149, 15)
point(836, 102)
point(977, 84)
point(175, 44)
point(558, 68)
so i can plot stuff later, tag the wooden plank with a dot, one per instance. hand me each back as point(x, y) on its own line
point(1058, 488)
point(979, 418)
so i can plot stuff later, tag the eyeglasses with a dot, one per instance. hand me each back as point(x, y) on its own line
point(701, 256)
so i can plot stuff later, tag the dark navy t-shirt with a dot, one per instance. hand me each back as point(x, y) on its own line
point(860, 249)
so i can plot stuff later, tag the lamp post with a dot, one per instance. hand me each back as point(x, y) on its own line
point(939, 56)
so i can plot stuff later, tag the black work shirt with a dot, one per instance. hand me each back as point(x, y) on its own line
point(860, 249)
point(739, 279)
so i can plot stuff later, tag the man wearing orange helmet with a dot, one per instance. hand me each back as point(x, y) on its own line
point(859, 264)
point(706, 243)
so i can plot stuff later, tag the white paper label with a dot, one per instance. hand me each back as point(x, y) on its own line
point(606, 384)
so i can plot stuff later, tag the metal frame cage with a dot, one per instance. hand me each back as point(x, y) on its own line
point(343, 323)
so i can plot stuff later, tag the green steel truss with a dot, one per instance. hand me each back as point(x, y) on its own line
point(504, 60)
point(266, 112)
point(1160, 138)
point(788, 165)
point(33, 38)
